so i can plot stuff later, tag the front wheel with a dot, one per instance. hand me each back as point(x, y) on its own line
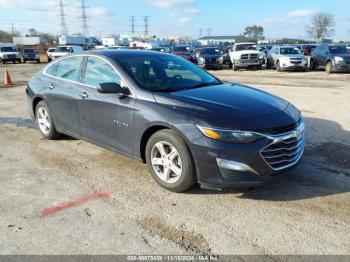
point(45, 122)
point(170, 162)
point(278, 66)
point(329, 68)
point(234, 67)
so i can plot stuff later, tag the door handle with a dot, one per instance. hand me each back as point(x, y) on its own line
point(84, 95)
point(51, 86)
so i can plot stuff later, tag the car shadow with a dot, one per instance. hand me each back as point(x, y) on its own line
point(324, 170)
point(28, 123)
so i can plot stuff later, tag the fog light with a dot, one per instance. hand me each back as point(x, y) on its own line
point(235, 166)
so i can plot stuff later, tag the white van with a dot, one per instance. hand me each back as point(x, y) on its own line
point(9, 53)
point(66, 50)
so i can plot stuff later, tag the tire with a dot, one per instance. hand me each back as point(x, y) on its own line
point(268, 65)
point(42, 113)
point(234, 67)
point(312, 65)
point(38, 61)
point(329, 67)
point(278, 66)
point(259, 67)
point(181, 160)
point(24, 61)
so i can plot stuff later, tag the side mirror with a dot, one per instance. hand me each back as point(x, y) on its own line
point(112, 88)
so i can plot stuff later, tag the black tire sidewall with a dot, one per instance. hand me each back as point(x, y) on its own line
point(188, 177)
point(53, 134)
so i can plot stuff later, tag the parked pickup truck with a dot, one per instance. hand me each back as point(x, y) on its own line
point(245, 55)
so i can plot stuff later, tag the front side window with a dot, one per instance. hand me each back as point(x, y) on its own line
point(165, 73)
point(99, 71)
point(338, 50)
point(69, 68)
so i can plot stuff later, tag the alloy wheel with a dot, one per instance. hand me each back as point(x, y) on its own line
point(44, 120)
point(166, 162)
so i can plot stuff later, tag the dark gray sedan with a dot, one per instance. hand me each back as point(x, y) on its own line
point(186, 124)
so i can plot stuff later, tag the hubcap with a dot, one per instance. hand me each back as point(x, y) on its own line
point(44, 120)
point(166, 162)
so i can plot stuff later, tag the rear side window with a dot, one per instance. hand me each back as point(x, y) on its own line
point(52, 69)
point(98, 71)
point(68, 68)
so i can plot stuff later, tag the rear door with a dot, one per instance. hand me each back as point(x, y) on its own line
point(105, 119)
point(62, 94)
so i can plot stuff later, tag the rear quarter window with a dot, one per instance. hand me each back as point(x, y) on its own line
point(52, 69)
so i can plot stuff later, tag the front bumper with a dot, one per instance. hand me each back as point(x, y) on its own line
point(247, 63)
point(293, 66)
point(31, 58)
point(341, 67)
point(229, 165)
point(12, 59)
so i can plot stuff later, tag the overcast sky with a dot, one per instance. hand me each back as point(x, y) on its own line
point(177, 17)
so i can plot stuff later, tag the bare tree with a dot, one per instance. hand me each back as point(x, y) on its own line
point(322, 25)
point(254, 33)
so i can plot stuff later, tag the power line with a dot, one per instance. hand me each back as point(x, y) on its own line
point(84, 17)
point(64, 28)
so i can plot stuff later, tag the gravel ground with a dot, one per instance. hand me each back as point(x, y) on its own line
point(304, 212)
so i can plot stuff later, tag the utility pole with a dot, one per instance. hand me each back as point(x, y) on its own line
point(209, 35)
point(132, 25)
point(12, 30)
point(84, 17)
point(146, 20)
point(64, 29)
point(200, 33)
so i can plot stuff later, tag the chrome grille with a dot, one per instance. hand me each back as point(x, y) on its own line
point(245, 57)
point(253, 56)
point(285, 149)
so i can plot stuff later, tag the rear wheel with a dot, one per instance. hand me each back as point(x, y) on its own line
point(170, 162)
point(45, 122)
point(312, 65)
point(329, 67)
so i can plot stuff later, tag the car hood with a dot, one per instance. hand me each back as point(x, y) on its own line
point(346, 56)
point(185, 53)
point(210, 56)
point(232, 106)
point(292, 56)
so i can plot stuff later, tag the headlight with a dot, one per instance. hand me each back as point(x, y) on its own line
point(261, 56)
point(241, 137)
point(220, 59)
point(4, 56)
point(201, 60)
point(338, 59)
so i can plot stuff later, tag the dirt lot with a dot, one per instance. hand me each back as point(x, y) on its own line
point(304, 212)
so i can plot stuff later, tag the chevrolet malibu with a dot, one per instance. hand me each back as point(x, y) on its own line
point(187, 125)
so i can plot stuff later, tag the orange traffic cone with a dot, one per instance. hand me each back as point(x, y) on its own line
point(7, 78)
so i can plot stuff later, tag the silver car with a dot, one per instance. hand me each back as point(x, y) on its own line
point(286, 58)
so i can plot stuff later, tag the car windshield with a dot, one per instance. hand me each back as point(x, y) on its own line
point(165, 73)
point(30, 51)
point(246, 47)
point(182, 49)
point(338, 50)
point(211, 51)
point(62, 49)
point(290, 51)
point(8, 49)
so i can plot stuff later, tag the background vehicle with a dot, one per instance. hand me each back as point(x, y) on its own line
point(245, 55)
point(211, 57)
point(9, 53)
point(307, 49)
point(286, 58)
point(184, 51)
point(30, 54)
point(49, 53)
point(334, 58)
point(184, 123)
point(66, 50)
